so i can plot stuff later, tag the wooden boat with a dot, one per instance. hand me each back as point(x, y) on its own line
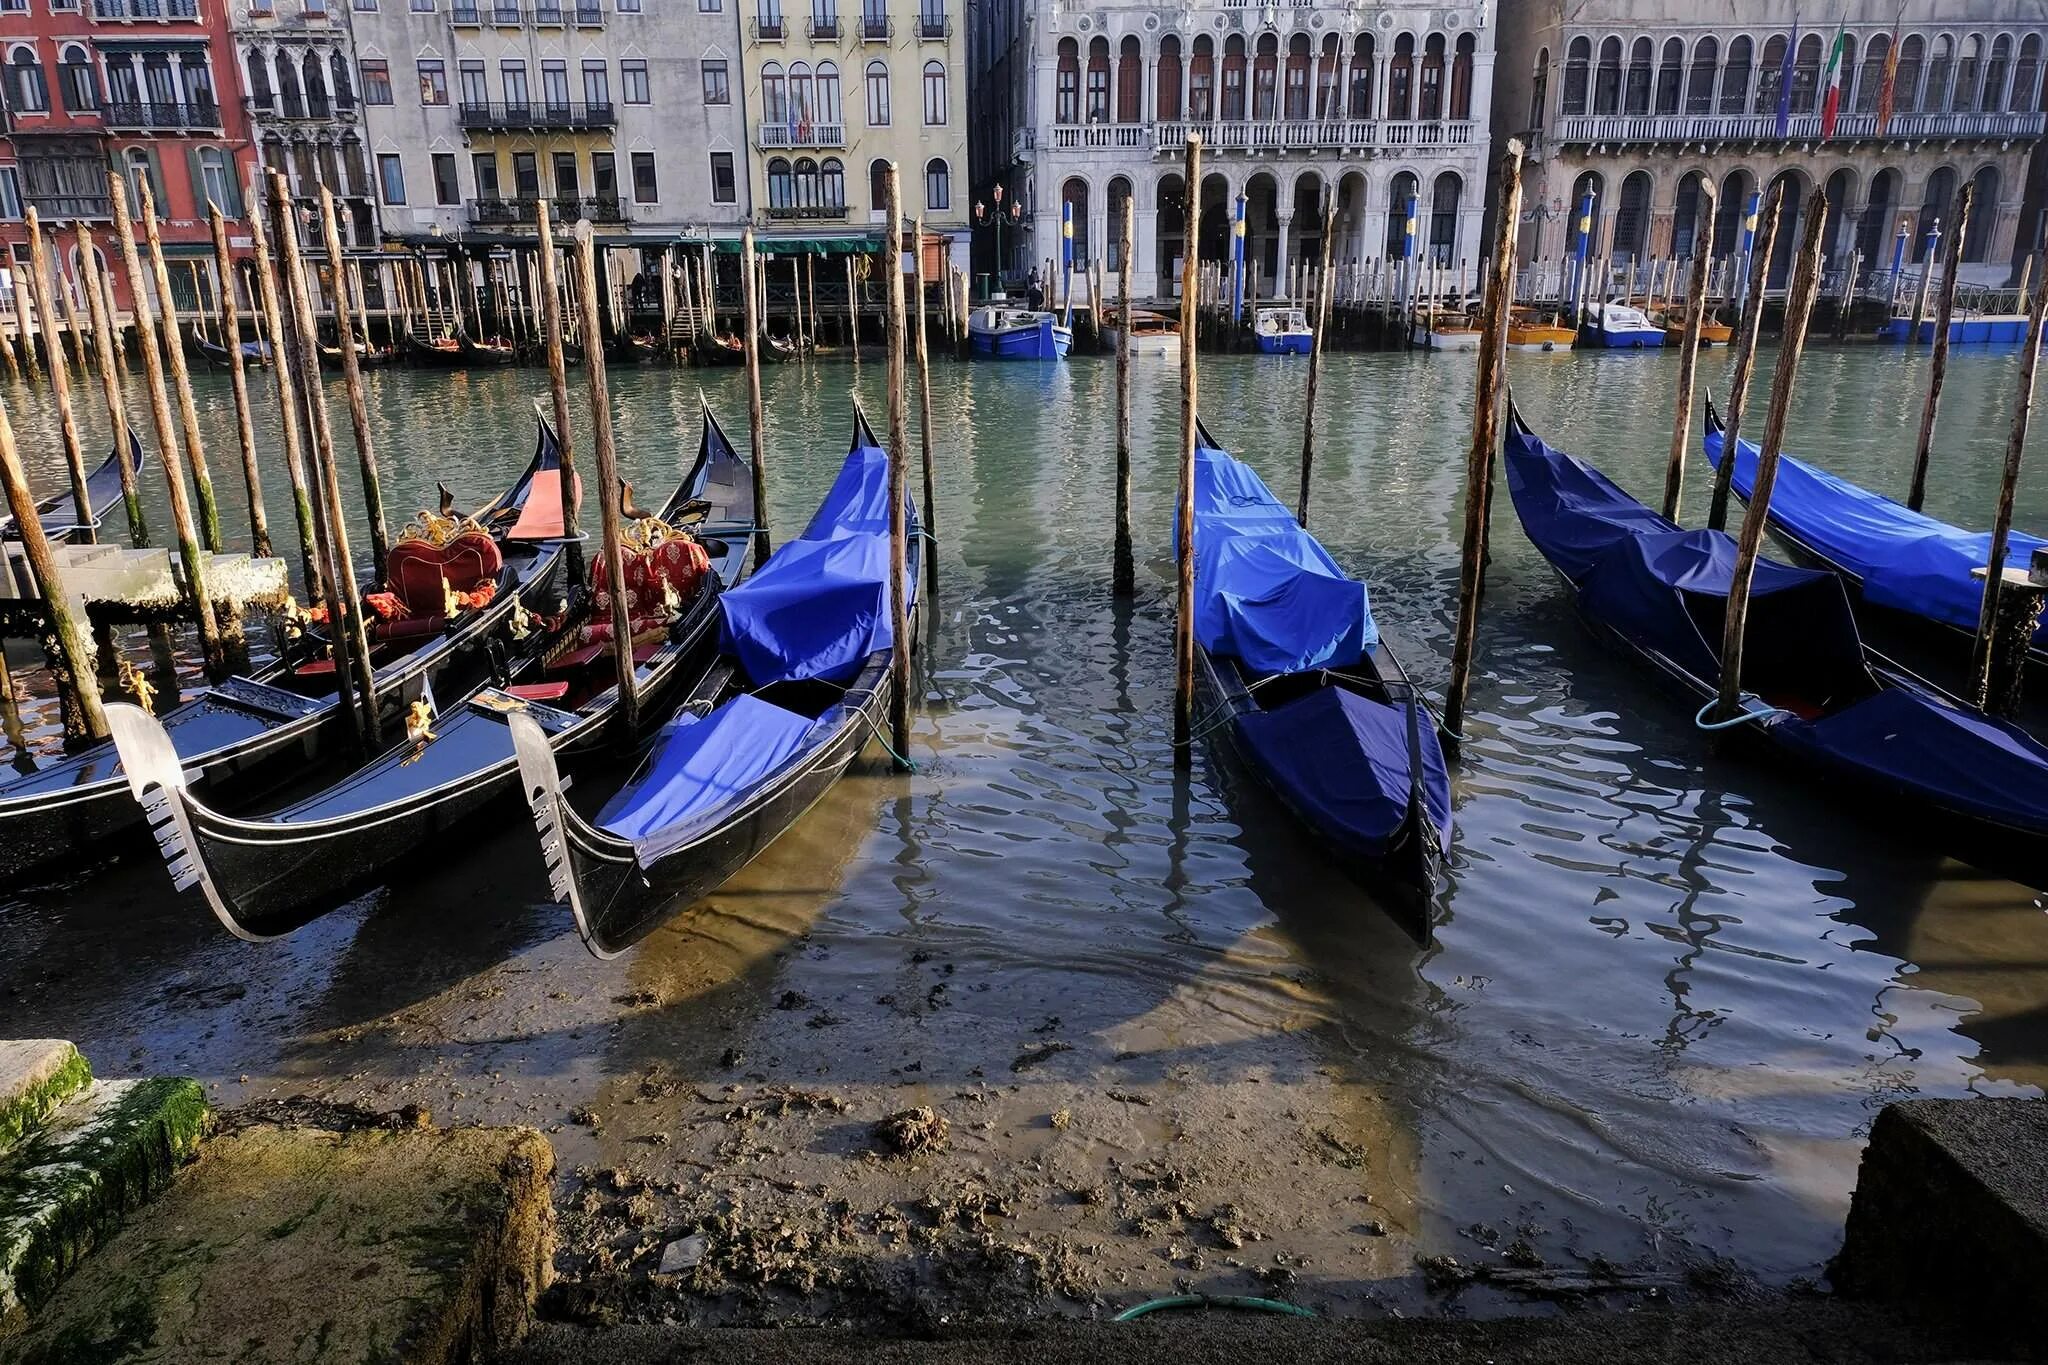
point(801, 685)
point(1441, 329)
point(60, 515)
point(441, 352)
point(1151, 333)
point(724, 349)
point(1310, 695)
point(778, 349)
point(1904, 570)
point(635, 349)
point(1886, 742)
point(1538, 329)
point(1282, 330)
point(1003, 332)
point(248, 735)
point(1712, 333)
point(266, 877)
point(368, 357)
point(492, 352)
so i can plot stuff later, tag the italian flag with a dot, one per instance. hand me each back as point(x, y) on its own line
point(1831, 84)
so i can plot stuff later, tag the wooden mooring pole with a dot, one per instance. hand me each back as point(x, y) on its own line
point(63, 640)
point(60, 379)
point(1745, 362)
point(899, 456)
point(1486, 405)
point(929, 521)
point(245, 426)
point(1916, 492)
point(352, 384)
point(1999, 659)
point(181, 377)
point(607, 477)
point(853, 319)
point(282, 357)
point(104, 341)
point(1689, 355)
point(1798, 309)
point(757, 419)
point(1318, 339)
point(558, 386)
point(1124, 573)
point(1184, 520)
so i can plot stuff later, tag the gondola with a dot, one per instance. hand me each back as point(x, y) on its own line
point(1310, 696)
point(266, 877)
point(1904, 570)
point(248, 735)
point(1888, 743)
point(367, 357)
point(722, 350)
point(216, 356)
point(800, 685)
point(440, 352)
point(60, 515)
point(485, 353)
point(637, 348)
point(779, 349)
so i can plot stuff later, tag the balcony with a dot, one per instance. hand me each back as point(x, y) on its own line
point(466, 16)
point(1679, 129)
point(769, 29)
point(825, 29)
point(498, 116)
point(293, 110)
point(126, 114)
point(548, 16)
point(933, 28)
point(62, 208)
point(513, 212)
point(1287, 135)
point(874, 28)
point(589, 15)
point(775, 135)
point(145, 9)
point(811, 213)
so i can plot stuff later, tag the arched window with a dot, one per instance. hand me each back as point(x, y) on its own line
point(1294, 101)
point(1361, 76)
point(337, 76)
point(1167, 107)
point(1685, 217)
point(1841, 186)
point(1632, 218)
point(1735, 79)
point(826, 85)
point(1848, 80)
point(1768, 74)
point(1401, 77)
point(77, 85)
point(1670, 76)
point(805, 179)
point(1202, 80)
point(28, 90)
point(1699, 87)
point(878, 94)
point(938, 185)
point(1577, 63)
point(288, 88)
point(800, 107)
point(1635, 96)
point(1461, 77)
point(774, 94)
point(1969, 69)
point(1539, 89)
point(1098, 81)
point(217, 183)
point(1938, 202)
point(1870, 80)
point(316, 87)
point(141, 172)
point(1119, 196)
point(1874, 236)
point(878, 185)
point(1400, 207)
point(1130, 81)
point(1067, 85)
point(1266, 79)
point(1607, 78)
point(1329, 104)
point(1806, 76)
point(934, 94)
point(1429, 94)
point(1233, 78)
point(1074, 195)
point(2026, 76)
point(259, 83)
point(1443, 218)
point(1983, 216)
point(1992, 100)
point(1939, 68)
point(832, 185)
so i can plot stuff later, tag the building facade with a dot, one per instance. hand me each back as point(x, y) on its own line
point(297, 68)
point(837, 89)
point(1084, 106)
point(1636, 102)
point(617, 110)
point(145, 87)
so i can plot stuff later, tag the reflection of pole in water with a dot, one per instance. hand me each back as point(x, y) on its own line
point(1694, 929)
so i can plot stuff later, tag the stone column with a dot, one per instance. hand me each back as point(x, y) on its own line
point(1282, 223)
point(1145, 254)
point(1379, 82)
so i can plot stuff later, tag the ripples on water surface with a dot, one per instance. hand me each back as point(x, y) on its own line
point(1669, 992)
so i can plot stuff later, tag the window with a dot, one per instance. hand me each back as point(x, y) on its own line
point(554, 84)
point(1607, 78)
point(878, 95)
point(76, 79)
point(567, 186)
point(832, 184)
point(1635, 97)
point(433, 84)
point(644, 189)
point(1735, 80)
point(10, 192)
point(470, 80)
point(1067, 88)
point(344, 95)
point(781, 186)
point(1168, 80)
point(710, 6)
point(938, 185)
point(934, 94)
point(1098, 81)
point(724, 186)
point(484, 165)
point(422, 6)
point(376, 82)
point(1233, 80)
point(1699, 88)
point(1294, 103)
point(525, 175)
point(806, 183)
point(633, 81)
point(878, 185)
point(828, 93)
point(446, 190)
point(717, 89)
point(391, 174)
point(27, 90)
point(216, 186)
point(774, 94)
point(597, 85)
point(1461, 77)
point(142, 171)
point(367, 6)
point(633, 6)
point(1577, 68)
point(513, 74)
point(604, 177)
point(1266, 79)
point(1670, 76)
point(1202, 81)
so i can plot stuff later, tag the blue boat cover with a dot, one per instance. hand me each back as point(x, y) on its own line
point(820, 605)
point(1343, 761)
point(1905, 559)
point(1266, 593)
point(700, 763)
point(1975, 764)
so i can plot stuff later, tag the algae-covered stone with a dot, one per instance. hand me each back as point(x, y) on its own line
point(36, 1076)
point(311, 1246)
point(69, 1183)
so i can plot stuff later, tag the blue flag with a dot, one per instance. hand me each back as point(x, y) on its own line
point(1785, 80)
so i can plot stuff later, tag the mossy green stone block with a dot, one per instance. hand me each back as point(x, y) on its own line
point(37, 1075)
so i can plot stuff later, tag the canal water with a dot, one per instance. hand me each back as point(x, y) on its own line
point(1667, 996)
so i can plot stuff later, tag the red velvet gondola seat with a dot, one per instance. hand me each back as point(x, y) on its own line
point(421, 573)
point(674, 564)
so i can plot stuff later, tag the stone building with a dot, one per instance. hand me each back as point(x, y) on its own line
point(1637, 101)
point(298, 84)
point(1087, 105)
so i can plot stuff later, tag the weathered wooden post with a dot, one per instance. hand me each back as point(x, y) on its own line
point(558, 386)
point(104, 341)
point(1184, 521)
point(1798, 308)
point(7, 346)
point(1926, 281)
point(607, 477)
point(25, 328)
point(245, 426)
point(1751, 323)
point(72, 325)
point(1993, 693)
point(64, 641)
point(60, 379)
point(924, 413)
point(853, 319)
point(1124, 573)
point(1689, 355)
point(1486, 404)
point(166, 433)
point(1916, 492)
point(899, 456)
point(352, 384)
point(1319, 328)
point(181, 377)
point(282, 356)
point(756, 411)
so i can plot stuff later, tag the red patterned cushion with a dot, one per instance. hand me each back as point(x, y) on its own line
point(679, 563)
point(415, 570)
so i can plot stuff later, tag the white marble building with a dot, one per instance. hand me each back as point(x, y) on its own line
point(1089, 104)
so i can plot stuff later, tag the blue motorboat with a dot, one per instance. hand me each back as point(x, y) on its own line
point(1888, 743)
point(1618, 327)
point(1282, 330)
point(999, 332)
point(1311, 698)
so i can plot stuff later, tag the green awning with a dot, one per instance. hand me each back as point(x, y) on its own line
point(804, 246)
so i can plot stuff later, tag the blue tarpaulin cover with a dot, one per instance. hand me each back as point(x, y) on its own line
point(1664, 588)
point(1906, 560)
point(820, 605)
point(1343, 761)
point(700, 764)
point(1266, 593)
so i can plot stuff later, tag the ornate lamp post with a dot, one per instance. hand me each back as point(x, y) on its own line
point(984, 216)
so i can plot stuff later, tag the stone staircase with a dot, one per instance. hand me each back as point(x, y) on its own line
point(77, 1155)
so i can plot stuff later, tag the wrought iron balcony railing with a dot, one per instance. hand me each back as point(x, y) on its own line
point(130, 114)
point(558, 116)
point(509, 212)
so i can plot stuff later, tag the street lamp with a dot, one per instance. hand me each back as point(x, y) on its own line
point(984, 216)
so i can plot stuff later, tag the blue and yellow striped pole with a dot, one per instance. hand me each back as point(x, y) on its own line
point(1237, 262)
point(1749, 216)
point(1067, 262)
